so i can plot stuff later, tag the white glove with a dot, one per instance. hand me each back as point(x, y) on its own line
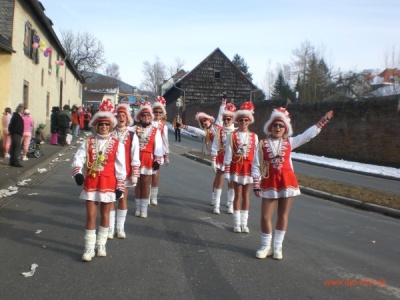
point(134, 180)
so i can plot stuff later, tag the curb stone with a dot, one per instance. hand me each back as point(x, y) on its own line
point(390, 212)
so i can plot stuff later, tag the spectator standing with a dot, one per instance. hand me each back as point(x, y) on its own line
point(5, 121)
point(86, 119)
point(81, 118)
point(27, 135)
point(75, 121)
point(54, 125)
point(64, 122)
point(16, 129)
point(177, 123)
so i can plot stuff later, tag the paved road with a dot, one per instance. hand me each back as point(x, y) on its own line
point(183, 251)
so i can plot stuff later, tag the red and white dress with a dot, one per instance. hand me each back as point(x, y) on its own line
point(240, 149)
point(131, 145)
point(273, 163)
point(164, 137)
point(218, 145)
point(150, 145)
point(101, 159)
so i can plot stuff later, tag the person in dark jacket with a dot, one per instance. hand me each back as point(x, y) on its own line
point(16, 129)
point(64, 122)
point(54, 125)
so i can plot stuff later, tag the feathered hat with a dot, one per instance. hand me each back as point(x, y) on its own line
point(160, 103)
point(104, 114)
point(280, 114)
point(144, 106)
point(201, 116)
point(229, 110)
point(246, 110)
point(126, 109)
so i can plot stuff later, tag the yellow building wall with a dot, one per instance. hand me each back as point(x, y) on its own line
point(4, 79)
point(42, 80)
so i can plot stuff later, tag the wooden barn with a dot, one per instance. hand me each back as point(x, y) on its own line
point(214, 75)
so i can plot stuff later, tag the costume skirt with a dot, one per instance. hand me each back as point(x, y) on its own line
point(100, 188)
point(280, 185)
point(146, 163)
point(219, 161)
point(241, 172)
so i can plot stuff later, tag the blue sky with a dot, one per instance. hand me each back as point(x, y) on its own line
point(354, 34)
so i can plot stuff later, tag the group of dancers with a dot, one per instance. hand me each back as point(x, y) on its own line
point(118, 156)
point(111, 161)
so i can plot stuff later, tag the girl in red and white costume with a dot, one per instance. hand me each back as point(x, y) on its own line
point(132, 163)
point(159, 113)
point(240, 148)
point(218, 153)
point(151, 153)
point(99, 164)
point(209, 128)
point(278, 186)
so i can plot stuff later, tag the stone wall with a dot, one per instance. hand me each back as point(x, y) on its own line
point(366, 132)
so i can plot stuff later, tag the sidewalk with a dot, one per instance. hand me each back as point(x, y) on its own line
point(9, 176)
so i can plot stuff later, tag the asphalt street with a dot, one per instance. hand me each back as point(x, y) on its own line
point(183, 251)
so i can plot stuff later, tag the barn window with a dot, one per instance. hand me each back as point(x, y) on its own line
point(217, 74)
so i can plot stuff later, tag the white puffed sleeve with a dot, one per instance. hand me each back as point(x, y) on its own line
point(215, 147)
point(79, 160)
point(135, 152)
point(158, 146)
point(305, 137)
point(201, 133)
point(165, 139)
point(228, 150)
point(120, 168)
point(255, 168)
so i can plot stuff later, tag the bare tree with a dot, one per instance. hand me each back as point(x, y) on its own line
point(391, 58)
point(84, 50)
point(112, 70)
point(154, 74)
point(175, 67)
point(269, 79)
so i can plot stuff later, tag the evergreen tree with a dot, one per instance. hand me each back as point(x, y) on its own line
point(240, 63)
point(282, 89)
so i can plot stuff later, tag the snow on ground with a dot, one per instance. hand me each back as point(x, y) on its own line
point(349, 165)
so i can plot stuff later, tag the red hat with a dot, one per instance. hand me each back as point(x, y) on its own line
point(105, 113)
point(246, 110)
point(201, 116)
point(280, 114)
point(125, 108)
point(160, 103)
point(229, 110)
point(144, 107)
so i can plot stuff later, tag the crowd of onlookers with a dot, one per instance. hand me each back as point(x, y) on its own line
point(18, 129)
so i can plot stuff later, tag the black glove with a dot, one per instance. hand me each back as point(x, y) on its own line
point(178, 124)
point(118, 194)
point(156, 165)
point(79, 179)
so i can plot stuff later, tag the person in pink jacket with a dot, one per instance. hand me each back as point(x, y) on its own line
point(27, 135)
point(5, 121)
